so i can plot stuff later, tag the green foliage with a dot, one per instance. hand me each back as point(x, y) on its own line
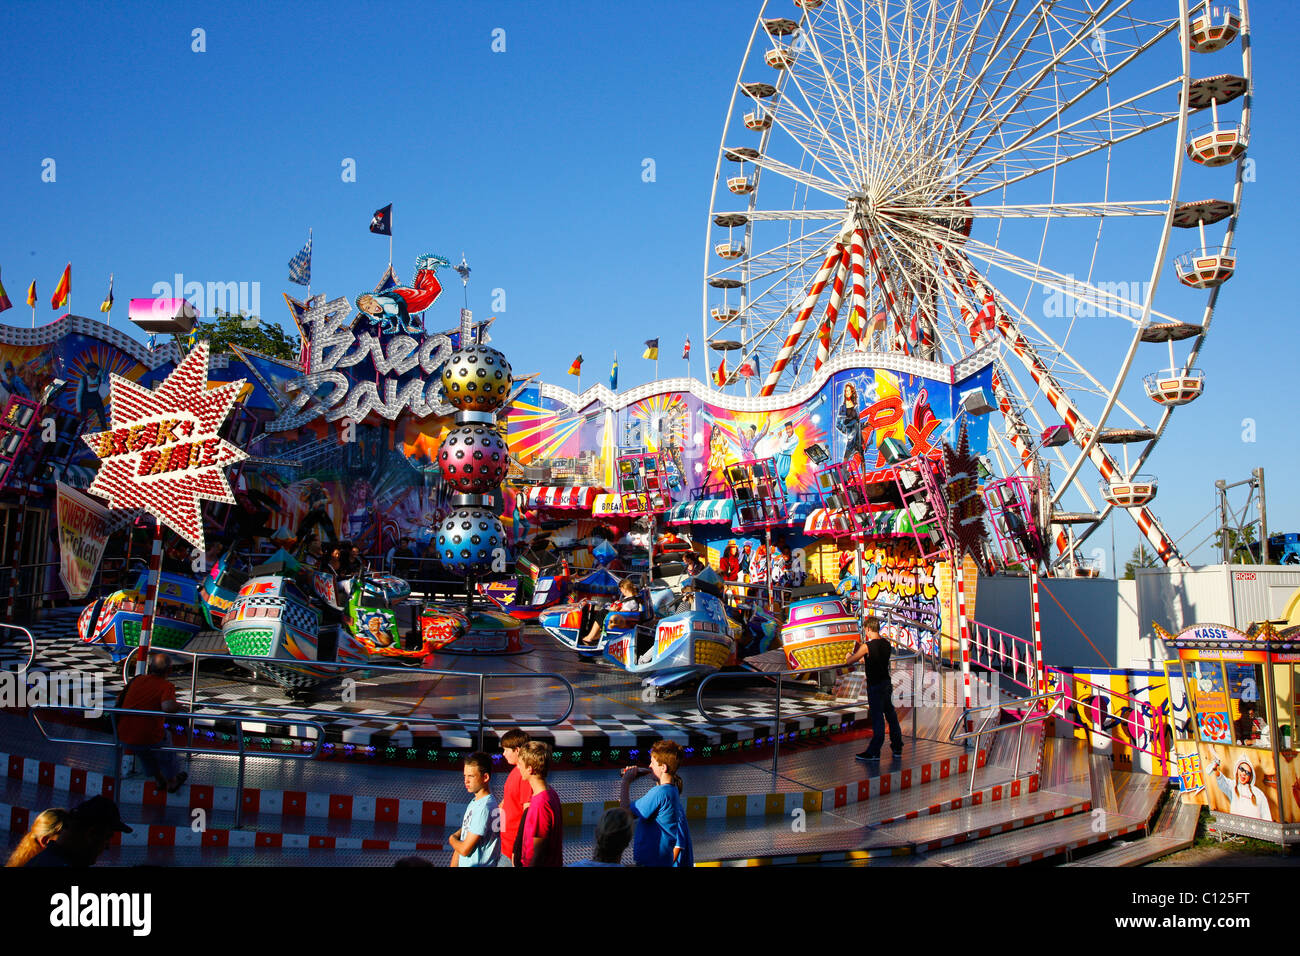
point(1243, 545)
point(1140, 558)
point(248, 332)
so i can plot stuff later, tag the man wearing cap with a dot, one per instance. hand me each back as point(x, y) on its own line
point(143, 735)
point(88, 833)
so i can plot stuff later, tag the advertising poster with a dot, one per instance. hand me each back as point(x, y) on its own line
point(83, 533)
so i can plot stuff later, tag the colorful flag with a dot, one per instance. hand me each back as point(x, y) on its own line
point(721, 378)
point(300, 265)
point(855, 322)
point(576, 367)
point(651, 350)
point(381, 223)
point(4, 299)
point(60, 297)
point(107, 304)
point(31, 294)
point(748, 368)
point(613, 375)
point(987, 320)
point(686, 349)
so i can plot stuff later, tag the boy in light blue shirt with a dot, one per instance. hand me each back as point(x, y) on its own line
point(478, 842)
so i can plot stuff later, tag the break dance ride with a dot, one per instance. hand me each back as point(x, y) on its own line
point(914, 186)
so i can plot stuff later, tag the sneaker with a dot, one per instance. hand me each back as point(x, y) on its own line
point(898, 753)
point(866, 756)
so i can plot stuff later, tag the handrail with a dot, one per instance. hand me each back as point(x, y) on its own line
point(481, 722)
point(1030, 714)
point(31, 643)
point(118, 746)
point(780, 678)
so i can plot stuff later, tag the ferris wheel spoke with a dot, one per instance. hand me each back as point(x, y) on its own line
point(1088, 295)
point(1124, 116)
point(959, 106)
point(1060, 362)
point(975, 91)
point(1013, 101)
point(836, 189)
point(798, 125)
point(840, 102)
point(1052, 116)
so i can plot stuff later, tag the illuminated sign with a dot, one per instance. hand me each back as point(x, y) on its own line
point(336, 348)
point(164, 453)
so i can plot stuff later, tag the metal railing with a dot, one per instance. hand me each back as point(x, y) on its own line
point(31, 645)
point(190, 749)
point(482, 723)
point(780, 677)
point(1011, 656)
point(1030, 715)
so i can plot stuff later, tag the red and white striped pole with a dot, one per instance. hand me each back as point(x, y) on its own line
point(1040, 682)
point(150, 598)
point(958, 570)
point(796, 330)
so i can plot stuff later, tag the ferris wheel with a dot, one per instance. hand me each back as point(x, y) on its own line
point(922, 180)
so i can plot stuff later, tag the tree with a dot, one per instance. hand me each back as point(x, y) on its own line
point(248, 332)
point(1242, 544)
point(1140, 558)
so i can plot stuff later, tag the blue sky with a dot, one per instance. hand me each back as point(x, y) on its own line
point(214, 165)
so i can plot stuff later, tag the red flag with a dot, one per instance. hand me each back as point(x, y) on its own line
point(987, 320)
point(4, 299)
point(60, 297)
point(720, 379)
point(576, 367)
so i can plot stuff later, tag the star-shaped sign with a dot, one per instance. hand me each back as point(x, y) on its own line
point(164, 453)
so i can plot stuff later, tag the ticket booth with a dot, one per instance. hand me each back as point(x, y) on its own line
point(1232, 706)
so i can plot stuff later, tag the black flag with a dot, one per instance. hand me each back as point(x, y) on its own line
point(381, 223)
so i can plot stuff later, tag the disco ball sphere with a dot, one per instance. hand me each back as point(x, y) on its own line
point(468, 539)
point(476, 379)
point(473, 459)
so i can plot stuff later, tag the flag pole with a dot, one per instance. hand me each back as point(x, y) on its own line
point(390, 255)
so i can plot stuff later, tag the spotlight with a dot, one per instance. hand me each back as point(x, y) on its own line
point(976, 403)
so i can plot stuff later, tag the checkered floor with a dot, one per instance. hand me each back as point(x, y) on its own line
point(609, 710)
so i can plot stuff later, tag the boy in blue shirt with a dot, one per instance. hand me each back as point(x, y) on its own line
point(662, 838)
point(477, 843)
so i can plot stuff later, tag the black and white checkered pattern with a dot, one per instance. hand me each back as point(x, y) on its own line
point(638, 726)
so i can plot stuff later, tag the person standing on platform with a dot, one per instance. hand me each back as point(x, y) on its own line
point(541, 835)
point(880, 690)
point(477, 843)
point(515, 796)
point(662, 837)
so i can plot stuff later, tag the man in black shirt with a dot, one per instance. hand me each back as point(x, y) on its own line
point(880, 690)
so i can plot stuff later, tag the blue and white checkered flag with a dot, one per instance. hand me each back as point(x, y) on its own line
point(300, 265)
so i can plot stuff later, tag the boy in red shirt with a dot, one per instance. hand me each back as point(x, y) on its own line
point(143, 735)
point(516, 796)
point(542, 834)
